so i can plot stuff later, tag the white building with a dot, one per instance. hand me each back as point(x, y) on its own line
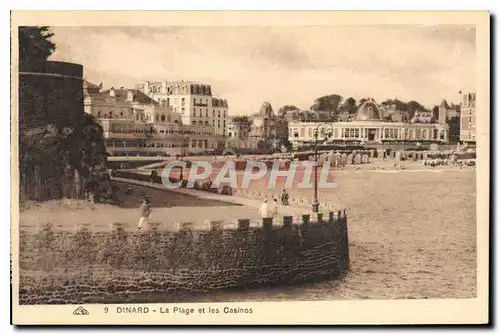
point(135, 124)
point(193, 101)
point(368, 125)
point(468, 118)
point(252, 131)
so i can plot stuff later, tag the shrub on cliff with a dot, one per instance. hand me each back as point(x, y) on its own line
point(35, 44)
point(53, 158)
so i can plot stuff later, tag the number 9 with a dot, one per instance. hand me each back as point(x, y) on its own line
point(105, 309)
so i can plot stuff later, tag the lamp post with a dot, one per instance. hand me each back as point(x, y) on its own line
point(183, 143)
point(315, 204)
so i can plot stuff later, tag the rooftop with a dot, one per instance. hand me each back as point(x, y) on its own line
point(444, 104)
point(176, 82)
point(368, 111)
point(91, 86)
point(138, 96)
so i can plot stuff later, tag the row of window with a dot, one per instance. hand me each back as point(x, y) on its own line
point(201, 90)
point(155, 89)
point(350, 133)
point(105, 114)
point(109, 115)
point(363, 133)
point(166, 102)
point(156, 144)
point(193, 123)
point(155, 131)
point(393, 133)
point(200, 113)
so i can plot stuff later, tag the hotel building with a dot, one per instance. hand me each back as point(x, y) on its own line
point(193, 101)
point(368, 125)
point(468, 118)
point(135, 124)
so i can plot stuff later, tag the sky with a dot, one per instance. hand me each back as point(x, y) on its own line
point(285, 65)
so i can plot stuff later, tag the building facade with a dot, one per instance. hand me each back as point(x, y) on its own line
point(255, 131)
point(468, 118)
point(368, 125)
point(193, 101)
point(239, 128)
point(263, 124)
point(450, 114)
point(135, 124)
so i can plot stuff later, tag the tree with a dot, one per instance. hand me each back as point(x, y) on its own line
point(362, 101)
point(349, 105)
point(327, 103)
point(54, 156)
point(283, 110)
point(400, 105)
point(412, 107)
point(85, 146)
point(35, 44)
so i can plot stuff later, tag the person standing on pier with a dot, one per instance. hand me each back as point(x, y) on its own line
point(276, 211)
point(264, 210)
point(145, 212)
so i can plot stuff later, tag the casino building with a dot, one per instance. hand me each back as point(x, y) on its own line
point(368, 125)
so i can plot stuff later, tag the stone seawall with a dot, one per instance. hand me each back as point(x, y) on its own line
point(64, 267)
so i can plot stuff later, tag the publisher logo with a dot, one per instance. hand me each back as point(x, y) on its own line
point(80, 311)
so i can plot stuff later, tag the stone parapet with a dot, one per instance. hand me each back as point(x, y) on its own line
point(82, 266)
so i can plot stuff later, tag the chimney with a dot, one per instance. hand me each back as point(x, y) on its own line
point(130, 95)
point(112, 92)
